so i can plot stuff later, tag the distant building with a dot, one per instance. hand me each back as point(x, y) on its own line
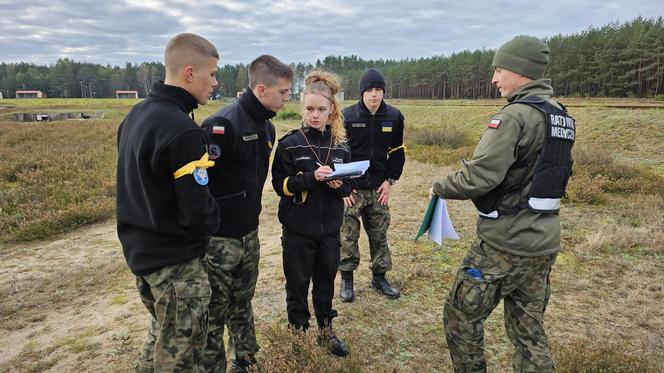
point(126, 94)
point(29, 94)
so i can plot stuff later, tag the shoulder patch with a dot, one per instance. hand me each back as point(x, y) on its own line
point(200, 176)
point(494, 123)
point(214, 151)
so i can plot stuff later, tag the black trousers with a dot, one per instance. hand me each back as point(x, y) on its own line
point(310, 260)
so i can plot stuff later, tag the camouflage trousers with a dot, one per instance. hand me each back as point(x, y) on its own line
point(523, 285)
point(233, 270)
point(376, 220)
point(177, 297)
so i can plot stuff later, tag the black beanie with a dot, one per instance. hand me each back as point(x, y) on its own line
point(370, 79)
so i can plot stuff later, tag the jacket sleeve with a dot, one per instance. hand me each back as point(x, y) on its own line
point(493, 156)
point(197, 211)
point(287, 180)
point(396, 156)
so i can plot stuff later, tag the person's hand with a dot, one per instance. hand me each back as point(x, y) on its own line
point(431, 193)
point(350, 201)
point(334, 184)
point(384, 192)
point(322, 172)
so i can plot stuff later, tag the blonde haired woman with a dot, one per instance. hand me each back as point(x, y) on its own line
point(311, 207)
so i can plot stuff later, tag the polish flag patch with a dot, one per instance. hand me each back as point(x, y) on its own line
point(218, 130)
point(494, 123)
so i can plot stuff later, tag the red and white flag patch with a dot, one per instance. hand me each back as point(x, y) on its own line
point(494, 123)
point(218, 130)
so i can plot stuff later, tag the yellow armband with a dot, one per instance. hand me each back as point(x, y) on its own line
point(190, 167)
point(402, 146)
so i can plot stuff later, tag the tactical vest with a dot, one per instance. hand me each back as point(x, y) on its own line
point(553, 166)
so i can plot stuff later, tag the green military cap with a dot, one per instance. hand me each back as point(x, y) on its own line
point(525, 55)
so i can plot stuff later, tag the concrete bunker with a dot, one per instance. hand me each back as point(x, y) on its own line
point(53, 116)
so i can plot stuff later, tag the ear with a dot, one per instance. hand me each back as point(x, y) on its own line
point(260, 90)
point(188, 73)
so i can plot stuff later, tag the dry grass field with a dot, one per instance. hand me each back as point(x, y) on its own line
point(69, 303)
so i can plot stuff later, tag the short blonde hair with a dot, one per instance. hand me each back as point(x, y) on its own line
point(188, 49)
point(327, 85)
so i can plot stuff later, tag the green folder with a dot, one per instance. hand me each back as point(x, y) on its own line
point(428, 215)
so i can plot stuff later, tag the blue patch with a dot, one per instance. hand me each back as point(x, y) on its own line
point(201, 176)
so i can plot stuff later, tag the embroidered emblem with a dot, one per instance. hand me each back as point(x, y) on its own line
point(214, 150)
point(218, 130)
point(201, 176)
point(494, 123)
point(358, 125)
point(250, 137)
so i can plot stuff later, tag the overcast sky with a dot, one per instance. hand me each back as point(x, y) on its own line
point(116, 32)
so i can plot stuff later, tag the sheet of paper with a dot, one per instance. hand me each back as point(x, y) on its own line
point(441, 225)
point(352, 169)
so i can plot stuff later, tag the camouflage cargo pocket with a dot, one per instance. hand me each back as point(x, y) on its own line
point(472, 295)
point(193, 299)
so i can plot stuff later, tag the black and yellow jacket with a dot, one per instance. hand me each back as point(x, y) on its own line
point(377, 138)
point(241, 138)
point(164, 214)
point(309, 207)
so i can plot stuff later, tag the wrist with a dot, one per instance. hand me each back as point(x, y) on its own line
point(391, 181)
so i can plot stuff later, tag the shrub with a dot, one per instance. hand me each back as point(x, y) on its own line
point(596, 170)
point(659, 97)
point(446, 137)
point(288, 114)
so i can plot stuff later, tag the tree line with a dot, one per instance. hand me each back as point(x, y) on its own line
point(616, 60)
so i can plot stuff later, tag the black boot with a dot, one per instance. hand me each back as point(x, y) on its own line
point(337, 347)
point(346, 293)
point(244, 364)
point(380, 283)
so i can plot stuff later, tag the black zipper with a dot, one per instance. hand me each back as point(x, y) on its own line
point(320, 205)
point(242, 193)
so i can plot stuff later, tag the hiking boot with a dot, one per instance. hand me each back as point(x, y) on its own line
point(380, 283)
point(244, 364)
point(337, 347)
point(346, 293)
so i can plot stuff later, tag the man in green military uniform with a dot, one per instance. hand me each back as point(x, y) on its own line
point(516, 177)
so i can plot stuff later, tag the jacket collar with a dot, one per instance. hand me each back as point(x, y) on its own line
point(177, 95)
point(316, 134)
point(255, 108)
point(539, 87)
point(381, 109)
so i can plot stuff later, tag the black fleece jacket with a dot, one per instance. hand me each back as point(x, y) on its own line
point(241, 138)
point(309, 207)
point(378, 138)
point(162, 220)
